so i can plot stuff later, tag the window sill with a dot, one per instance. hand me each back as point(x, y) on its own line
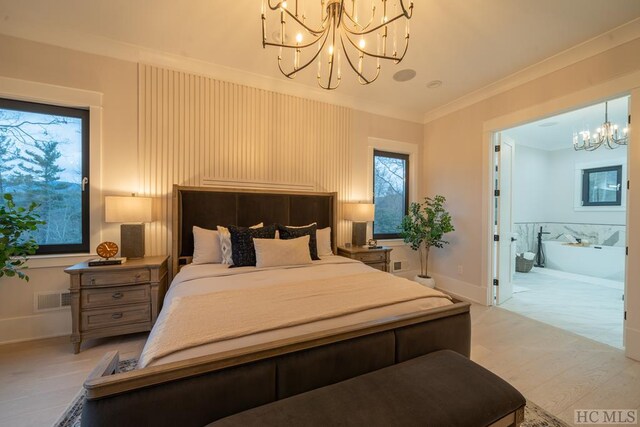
point(392, 242)
point(60, 260)
point(600, 208)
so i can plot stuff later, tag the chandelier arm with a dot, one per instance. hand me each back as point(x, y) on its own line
point(357, 24)
point(295, 18)
point(374, 29)
point(360, 75)
point(290, 46)
point(408, 14)
point(328, 87)
point(375, 55)
point(292, 73)
point(333, 52)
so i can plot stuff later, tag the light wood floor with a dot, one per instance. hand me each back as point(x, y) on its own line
point(558, 370)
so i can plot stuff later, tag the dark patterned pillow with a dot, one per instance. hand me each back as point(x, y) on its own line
point(287, 233)
point(243, 251)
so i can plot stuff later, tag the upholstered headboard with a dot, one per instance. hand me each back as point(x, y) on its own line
point(210, 207)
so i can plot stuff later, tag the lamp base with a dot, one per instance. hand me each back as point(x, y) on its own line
point(358, 233)
point(132, 241)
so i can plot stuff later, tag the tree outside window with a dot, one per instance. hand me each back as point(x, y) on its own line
point(43, 159)
point(391, 192)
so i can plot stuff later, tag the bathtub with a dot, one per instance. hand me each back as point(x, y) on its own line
point(606, 262)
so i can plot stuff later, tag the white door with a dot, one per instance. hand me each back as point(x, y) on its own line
point(506, 245)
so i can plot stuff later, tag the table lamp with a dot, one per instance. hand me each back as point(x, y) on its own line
point(359, 214)
point(132, 212)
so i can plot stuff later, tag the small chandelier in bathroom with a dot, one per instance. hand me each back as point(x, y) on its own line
point(340, 30)
point(608, 136)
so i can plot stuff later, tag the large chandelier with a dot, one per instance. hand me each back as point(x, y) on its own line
point(607, 136)
point(341, 31)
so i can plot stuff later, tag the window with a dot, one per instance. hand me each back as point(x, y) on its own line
point(44, 158)
point(602, 186)
point(390, 193)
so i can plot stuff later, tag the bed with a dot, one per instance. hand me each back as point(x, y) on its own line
point(225, 369)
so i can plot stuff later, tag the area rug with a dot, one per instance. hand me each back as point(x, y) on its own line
point(534, 416)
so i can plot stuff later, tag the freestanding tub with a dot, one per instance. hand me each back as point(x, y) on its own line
point(606, 262)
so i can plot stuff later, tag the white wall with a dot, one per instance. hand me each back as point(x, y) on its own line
point(530, 195)
point(545, 186)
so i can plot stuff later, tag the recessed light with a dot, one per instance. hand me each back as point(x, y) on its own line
point(434, 84)
point(547, 124)
point(404, 75)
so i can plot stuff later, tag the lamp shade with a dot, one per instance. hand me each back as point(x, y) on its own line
point(359, 212)
point(128, 209)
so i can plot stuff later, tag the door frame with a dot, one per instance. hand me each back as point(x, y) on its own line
point(627, 85)
point(500, 140)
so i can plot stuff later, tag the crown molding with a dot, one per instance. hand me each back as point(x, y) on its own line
point(601, 43)
point(138, 54)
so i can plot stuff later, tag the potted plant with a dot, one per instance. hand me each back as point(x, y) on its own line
point(423, 228)
point(15, 246)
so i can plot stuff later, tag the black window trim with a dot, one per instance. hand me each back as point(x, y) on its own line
point(401, 156)
point(585, 185)
point(82, 114)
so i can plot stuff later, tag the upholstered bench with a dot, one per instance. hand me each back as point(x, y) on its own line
point(440, 389)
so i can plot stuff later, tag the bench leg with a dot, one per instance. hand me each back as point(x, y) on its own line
point(513, 419)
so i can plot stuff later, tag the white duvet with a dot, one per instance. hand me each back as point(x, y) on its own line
point(208, 279)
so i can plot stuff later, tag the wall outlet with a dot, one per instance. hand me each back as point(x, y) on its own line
point(460, 270)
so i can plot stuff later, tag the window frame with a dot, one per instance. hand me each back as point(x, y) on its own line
point(393, 155)
point(84, 115)
point(585, 185)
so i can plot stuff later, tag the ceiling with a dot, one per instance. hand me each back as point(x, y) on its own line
point(468, 44)
point(556, 133)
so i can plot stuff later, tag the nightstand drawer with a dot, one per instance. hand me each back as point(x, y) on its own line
point(94, 319)
point(382, 266)
point(115, 277)
point(91, 298)
point(371, 257)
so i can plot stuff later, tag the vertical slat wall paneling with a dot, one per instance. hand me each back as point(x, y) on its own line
point(193, 127)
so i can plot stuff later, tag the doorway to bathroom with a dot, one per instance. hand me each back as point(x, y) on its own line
point(560, 228)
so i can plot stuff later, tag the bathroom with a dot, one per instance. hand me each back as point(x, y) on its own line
point(568, 215)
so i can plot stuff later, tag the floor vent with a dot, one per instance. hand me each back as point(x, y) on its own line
point(55, 300)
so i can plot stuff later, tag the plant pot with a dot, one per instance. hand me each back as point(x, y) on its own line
point(425, 281)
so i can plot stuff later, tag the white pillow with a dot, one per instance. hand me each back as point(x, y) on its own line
point(275, 252)
point(225, 243)
point(323, 240)
point(206, 246)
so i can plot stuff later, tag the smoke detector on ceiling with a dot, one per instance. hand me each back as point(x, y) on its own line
point(434, 84)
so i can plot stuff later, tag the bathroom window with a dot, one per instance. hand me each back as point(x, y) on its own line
point(602, 186)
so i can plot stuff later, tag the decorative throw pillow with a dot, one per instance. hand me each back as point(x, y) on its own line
point(323, 237)
point(275, 253)
point(243, 251)
point(225, 243)
point(287, 233)
point(206, 246)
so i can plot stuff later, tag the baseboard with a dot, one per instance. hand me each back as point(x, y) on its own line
point(462, 290)
point(632, 343)
point(43, 325)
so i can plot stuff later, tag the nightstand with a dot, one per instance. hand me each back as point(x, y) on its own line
point(116, 299)
point(377, 258)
